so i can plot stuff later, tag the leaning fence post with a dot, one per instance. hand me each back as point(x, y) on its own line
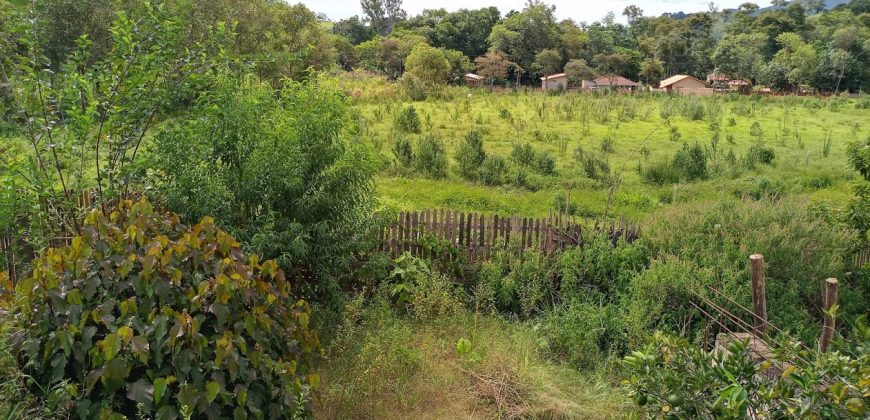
point(759, 300)
point(830, 320)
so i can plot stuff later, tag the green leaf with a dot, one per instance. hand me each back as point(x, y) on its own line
point(114, 374)
point(188, 395)
point(141, 391)
point(110, 346)
point(159, 389)
point(140, 347)
point(211, 390)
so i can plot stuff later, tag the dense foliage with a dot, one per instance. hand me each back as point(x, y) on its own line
point(142, 314)
point(674, 379)
point(275, 168)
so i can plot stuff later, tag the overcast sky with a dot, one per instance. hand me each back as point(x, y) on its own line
point(579, 10)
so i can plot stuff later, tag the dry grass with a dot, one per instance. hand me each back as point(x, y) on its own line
point(382, 365)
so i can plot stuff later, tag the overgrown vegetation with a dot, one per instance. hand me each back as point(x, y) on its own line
point(266, 131)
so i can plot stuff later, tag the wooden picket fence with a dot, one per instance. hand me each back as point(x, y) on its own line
point(480, 235)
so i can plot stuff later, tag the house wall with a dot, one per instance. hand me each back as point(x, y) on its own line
point(555, 84)
point(686, 84)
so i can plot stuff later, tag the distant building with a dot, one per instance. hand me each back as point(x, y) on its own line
point(723, 82)
point(558, 81)
point(474, 80)
point(682, 83)
point(611, 82)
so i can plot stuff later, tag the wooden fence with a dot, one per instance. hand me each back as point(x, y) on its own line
point(433, 233)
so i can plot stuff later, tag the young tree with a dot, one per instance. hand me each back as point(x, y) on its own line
point(524, 34)
point(577, 71)
point(354, 29)
point(548, 61)
point(428, 63)
point(492, 65)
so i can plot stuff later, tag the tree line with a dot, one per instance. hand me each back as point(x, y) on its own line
point(789, 46)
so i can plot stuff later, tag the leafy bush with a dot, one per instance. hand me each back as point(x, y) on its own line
point(431, 157)
point(407, 120)
point(598, 269)
point(688, 164)
point(545, 164)
point(470, 155)
point(403, 150)
point(519, 286)
point(800, 251)
point(276, 169)
point(758, 153)
point(142, 314)
point(594, 166)
point(581, 334)
point(671, 376)
point(691, 162)
point(660, 173)
point(493, 171)
point(523, 154)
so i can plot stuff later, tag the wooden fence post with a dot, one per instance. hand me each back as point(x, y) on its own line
point(829, 325)
point(759, 300)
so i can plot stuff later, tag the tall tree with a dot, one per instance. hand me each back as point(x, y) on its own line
point(354, 29)
point(492, 65)
point(524, 34)
point(547, 61)
point(383, 14)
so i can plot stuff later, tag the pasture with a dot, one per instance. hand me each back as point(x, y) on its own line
point(808, 136)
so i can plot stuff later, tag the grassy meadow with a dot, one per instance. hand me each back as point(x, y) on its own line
point(808, 135)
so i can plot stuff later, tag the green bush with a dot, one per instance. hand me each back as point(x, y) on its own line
point(431, 157)
point(581, 334)
point(545, 164)
point(672, 376)
point(277, 169)
point(494, 171)
point(691, 162)
point(142, 314)
point(800, 251)
point(594, 166)
point(598, 269)
point(407, 120)
point(660, 173)
point(403, 150)
point(470, 155)
point(523, 154)
point(759, 153)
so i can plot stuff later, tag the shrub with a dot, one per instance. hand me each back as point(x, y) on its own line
point(493, 171)
point(580, 334)
point(546, 164)
point(431, 157)
point(598, 269)
point(691, 162)
point(607, 145)
point(278, 170)
point(671, 375)
point(403, 150)
point(407, 120)
point(470, 155)
point(799, 248)
point(758, 153)
point(594, 166)
point(523, 154)
point(660, 173)
point(143, 314)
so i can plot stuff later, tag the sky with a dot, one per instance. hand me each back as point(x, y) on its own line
point(578, 10)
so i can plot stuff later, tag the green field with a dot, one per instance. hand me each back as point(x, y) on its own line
point(640, 132)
